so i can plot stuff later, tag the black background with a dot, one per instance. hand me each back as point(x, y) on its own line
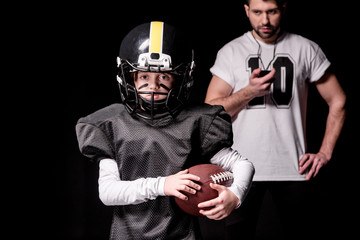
point(87, 39)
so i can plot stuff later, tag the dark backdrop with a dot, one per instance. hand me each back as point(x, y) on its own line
point(88, 41)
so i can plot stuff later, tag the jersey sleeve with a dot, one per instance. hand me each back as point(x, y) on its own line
point(93, 142)
point(218, 133)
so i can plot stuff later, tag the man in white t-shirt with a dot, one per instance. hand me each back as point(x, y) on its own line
point(269, 113)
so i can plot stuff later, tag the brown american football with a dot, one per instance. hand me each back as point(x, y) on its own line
point(208, 173)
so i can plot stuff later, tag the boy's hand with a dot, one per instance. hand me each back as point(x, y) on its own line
point(223, 205)
point(181, 181)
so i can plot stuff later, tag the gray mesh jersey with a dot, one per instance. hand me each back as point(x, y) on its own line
point(151, 149)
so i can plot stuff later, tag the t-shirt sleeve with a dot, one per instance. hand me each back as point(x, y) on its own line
point(93, 142)
point(218, 133)
point(222, 66)
point(318, 65)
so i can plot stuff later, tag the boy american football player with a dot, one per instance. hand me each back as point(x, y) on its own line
point(145, 145)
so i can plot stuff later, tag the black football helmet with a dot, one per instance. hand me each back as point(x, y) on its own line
point(155, 47)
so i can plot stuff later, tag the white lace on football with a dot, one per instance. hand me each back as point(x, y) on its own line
point(221, 177)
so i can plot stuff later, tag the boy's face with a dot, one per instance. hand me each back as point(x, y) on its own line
point(153, 82)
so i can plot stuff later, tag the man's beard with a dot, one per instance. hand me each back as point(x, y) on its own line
point(268, 35)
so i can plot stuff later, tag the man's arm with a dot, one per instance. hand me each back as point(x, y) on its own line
point(220, 92)
point(331, 91)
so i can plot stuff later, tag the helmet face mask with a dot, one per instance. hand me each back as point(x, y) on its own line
point(170, 55)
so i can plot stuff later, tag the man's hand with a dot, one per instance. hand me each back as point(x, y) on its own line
point(260, 86)
point(312, 163)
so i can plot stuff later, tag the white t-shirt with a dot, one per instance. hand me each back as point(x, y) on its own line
point(270, 131)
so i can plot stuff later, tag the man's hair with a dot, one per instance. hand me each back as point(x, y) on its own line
point(280, 3)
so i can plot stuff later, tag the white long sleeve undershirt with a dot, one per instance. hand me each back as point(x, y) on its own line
point(114, 191)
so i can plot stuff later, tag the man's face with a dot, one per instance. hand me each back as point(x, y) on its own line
point(154, 82)
point(265, 18)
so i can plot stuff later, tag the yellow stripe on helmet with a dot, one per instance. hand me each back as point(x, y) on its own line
point(156, 33)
